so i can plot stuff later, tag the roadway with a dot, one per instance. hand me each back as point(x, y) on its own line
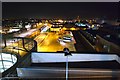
point(15, 46)
point(50, 43)
point(83, 44)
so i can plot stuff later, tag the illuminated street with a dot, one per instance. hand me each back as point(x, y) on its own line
point(51, 44)
point(60, 40)
point(17, 47)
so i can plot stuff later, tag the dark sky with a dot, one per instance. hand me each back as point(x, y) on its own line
point(60, 10)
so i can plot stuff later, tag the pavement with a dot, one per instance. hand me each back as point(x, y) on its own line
point(50, 43)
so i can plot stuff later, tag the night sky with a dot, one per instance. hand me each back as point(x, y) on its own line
point(66, 10)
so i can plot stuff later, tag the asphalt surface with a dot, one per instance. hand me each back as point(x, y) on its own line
point(81, 44)
point(50, 43)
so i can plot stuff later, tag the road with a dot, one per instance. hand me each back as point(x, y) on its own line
point(51, 44)
point(48, 42)
point(15, 45)
point(82, 43)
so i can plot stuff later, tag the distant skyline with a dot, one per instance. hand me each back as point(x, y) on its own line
point(61, 10)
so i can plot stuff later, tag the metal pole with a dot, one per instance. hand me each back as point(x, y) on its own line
point(66, 67)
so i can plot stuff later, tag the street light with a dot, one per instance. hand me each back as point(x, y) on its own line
point(67, 53)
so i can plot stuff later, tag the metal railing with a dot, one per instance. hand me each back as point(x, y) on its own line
point(19, 46)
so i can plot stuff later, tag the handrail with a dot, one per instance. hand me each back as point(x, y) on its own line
point(19, 57)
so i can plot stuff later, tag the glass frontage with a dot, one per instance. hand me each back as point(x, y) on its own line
point(6, 61)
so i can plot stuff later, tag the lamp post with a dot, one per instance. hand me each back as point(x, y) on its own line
point(67, 53)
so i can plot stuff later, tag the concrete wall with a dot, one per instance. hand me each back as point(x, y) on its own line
point(103, 45)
